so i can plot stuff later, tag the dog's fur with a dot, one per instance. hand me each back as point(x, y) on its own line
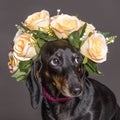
point(60, 70)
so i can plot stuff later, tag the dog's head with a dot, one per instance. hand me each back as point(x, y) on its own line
point(61, 64)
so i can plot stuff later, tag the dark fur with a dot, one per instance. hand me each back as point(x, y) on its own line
point(91, 100)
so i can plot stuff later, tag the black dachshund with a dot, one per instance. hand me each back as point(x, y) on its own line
point(59, 80)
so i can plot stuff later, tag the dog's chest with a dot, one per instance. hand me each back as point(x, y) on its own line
point(64, 116)
point(63, 112)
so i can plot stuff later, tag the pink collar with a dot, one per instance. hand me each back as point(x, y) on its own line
point(49, 97)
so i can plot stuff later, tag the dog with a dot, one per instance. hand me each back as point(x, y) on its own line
point(59, 83)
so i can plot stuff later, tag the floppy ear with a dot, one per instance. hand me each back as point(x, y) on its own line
point(33, 83)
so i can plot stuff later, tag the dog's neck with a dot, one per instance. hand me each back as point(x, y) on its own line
point(51, 93)
point(53, 99)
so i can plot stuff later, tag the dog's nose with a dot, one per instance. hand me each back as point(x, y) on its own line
point(76, 91)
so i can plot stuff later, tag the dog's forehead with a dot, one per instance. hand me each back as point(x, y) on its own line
point(58, 46)
point(64, 52)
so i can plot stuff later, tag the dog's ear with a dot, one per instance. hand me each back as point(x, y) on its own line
point(33, 83)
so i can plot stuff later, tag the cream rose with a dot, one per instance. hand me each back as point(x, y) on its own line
point(38, 20)
point(89, 29)
point(95, 48)
point(13, 62)
point(64, 24)
point(23, 47)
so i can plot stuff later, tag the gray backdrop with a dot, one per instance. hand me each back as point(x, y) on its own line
point(103, 14)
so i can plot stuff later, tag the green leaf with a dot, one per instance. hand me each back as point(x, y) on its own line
point(82, 31)
point(23, 28)
point(38, 45)
point(40, 35)
point(40, 42)
point(105, 34)
point(85, 60)
point(74, 39)
point(24, 66)
point(91, 67)
point(18, 75)
point(22, 77)
point(37, 48)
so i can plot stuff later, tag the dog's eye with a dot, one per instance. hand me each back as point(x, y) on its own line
point(54, 62)
point(77, 59)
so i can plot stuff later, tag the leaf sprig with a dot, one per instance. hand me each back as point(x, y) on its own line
point(23, 71)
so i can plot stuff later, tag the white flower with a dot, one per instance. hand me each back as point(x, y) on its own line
point(23, 47)
point(95, 48)
point(63, 25)
point(38, 20)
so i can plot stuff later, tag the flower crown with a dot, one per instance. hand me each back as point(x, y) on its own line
point(40, 28)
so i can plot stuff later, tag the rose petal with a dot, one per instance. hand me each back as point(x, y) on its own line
point(13, 62)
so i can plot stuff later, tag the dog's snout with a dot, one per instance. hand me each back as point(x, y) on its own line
point(76, 91)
